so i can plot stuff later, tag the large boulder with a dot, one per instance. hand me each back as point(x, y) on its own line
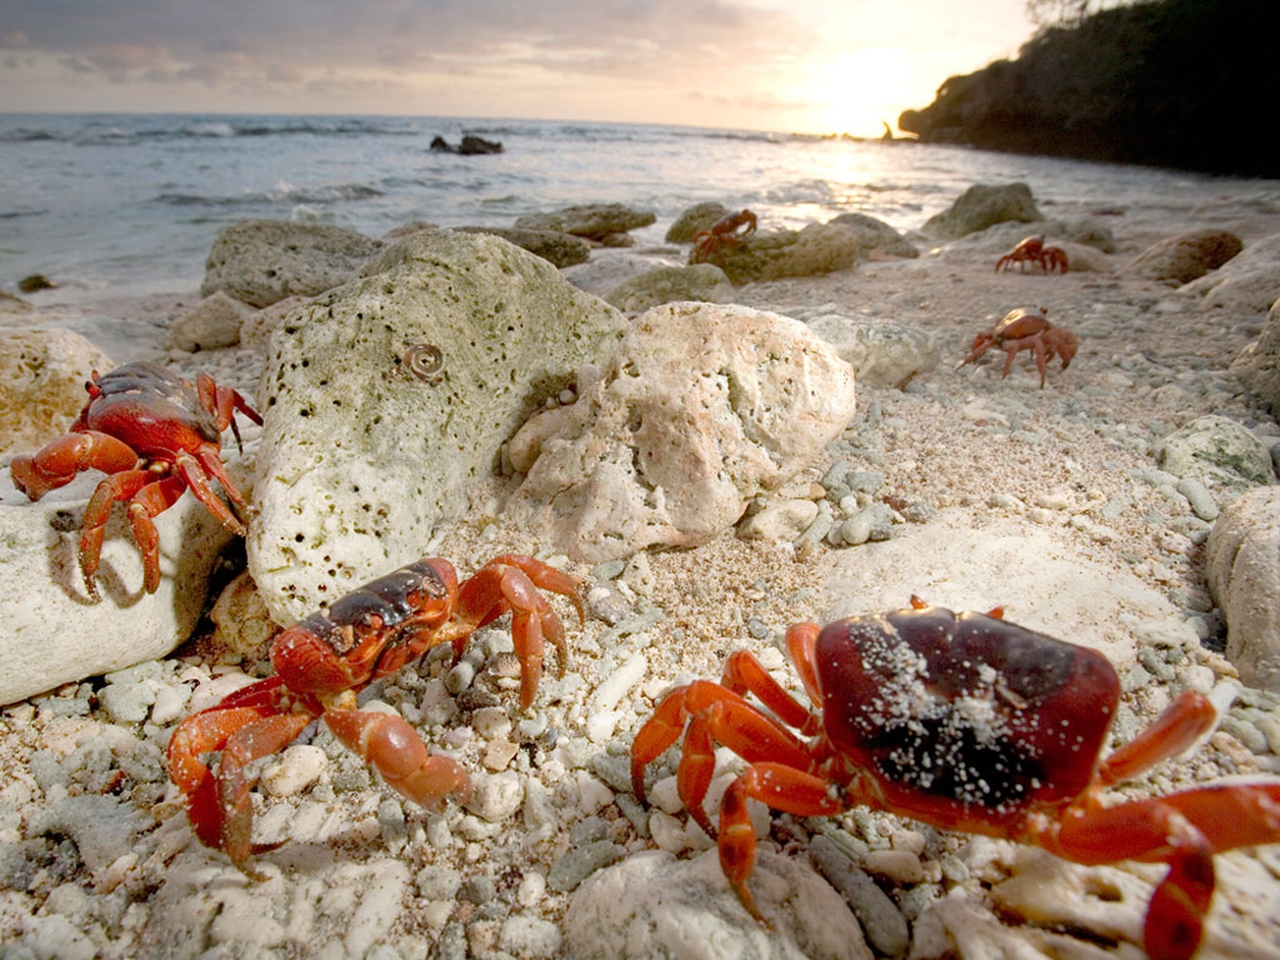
point(42, 378)
point(52, 633)
point(1242, 567)
point(262, 261)
point(1186, 257)
point(1258, 365)
point(699, 281)
point(701, 408)
point(818, 248)
point(366, 449)
point(981, 206)
point(560, 249)
point(693, 220)
point(594, 221)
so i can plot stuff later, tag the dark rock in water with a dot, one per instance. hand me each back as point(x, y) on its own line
point(1163, 83)
point(471, 146)
point(37, 281)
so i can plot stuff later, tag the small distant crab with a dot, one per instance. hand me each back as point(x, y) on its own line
point(1033, 250)
point(155, 435)
point(723, 233)
point(322, 663)
point(1026, 328)
point(966, 722)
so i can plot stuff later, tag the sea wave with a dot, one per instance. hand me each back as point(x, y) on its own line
point(282, 193)
point(128, 131)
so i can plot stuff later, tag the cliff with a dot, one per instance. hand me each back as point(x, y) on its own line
point(1175, 83)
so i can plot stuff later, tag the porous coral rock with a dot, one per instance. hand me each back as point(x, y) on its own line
point(361, 457)
point(702, 408)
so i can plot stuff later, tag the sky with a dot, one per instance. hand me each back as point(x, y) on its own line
point(820, 66)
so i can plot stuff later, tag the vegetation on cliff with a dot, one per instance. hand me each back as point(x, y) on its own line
point(1177, 83)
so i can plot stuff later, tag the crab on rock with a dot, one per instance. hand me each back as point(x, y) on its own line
point(965, 722)
point(323, 661)
point(1026, 328)
point(1033, 250)
point(723, 233)
point(155, 435)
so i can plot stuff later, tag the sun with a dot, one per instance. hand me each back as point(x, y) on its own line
point(859, 91)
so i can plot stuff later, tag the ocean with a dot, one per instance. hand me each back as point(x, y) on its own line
point(131, 203)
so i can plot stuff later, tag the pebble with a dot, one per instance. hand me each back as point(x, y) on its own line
point(1201, 500)
point(579, 863)
point(885, 927)
point(297, 767)
point(497, 796)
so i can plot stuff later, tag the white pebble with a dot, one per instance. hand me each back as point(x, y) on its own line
point(491, 722)
point(298, 767)
point(663, 795)
point(497, 797)
point(170, 701)
point(532, 888)
point(612, 689)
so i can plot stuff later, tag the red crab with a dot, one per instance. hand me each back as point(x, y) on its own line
point(1026, 328)
point(722, 233)
point(965, 722)
point(155, 435)
point(1033, 250)
point(323, 661)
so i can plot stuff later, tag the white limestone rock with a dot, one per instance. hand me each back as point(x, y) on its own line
point(42, 378)
point(703, 407)
point(211, 324)
point(51, 633)
point(653, 905)
point(881, 354)
point(362, 458)
point(1242, 566)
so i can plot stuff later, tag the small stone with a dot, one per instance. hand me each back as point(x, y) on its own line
point(297, 768)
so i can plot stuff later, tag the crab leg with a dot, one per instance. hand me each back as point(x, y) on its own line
point(57, 462)
point(1182, 723)
point(150, 495)
point(510, 583)
point(715, 715)
point(398, 753)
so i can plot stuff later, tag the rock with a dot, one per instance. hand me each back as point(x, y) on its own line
point(560, 249)
point(818, 248)
point(42, 378)
point(257, 328)
point(594, 221)
point(211, 324)
point(779, 522)
point(1222, 453)
point(1247, 283)
point(52, 633)
point(1242, 567)
point(653, 905)
point(876, 236)
point(609, 269)
point(263, 261)
point(471, 146)
point(702, 408)
point(700, 281)
point(1183, 258)
point(881, 354)
point(694, 219)
point(242, 623)
point(1258, 365)
point(360, 458)
point(36, 282)
point(982, 206)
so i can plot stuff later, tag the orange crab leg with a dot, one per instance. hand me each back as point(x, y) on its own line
point(223, 402)
point(509, 583)
point(715, 715)
point(743, 674)
point(398, 753)
point(1181, 724)
point(196, 470)
point(150, 495)
point(57, 462)
point(780, 787)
